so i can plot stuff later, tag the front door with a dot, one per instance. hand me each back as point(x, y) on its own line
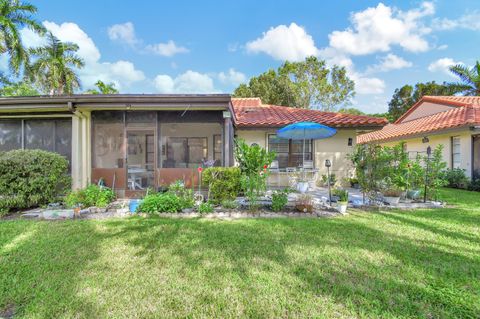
point(141, 155)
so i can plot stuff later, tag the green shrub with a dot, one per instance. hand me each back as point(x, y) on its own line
point(456, 178)
point(279, 200)
point(229, 204)
point(474, 185)
point(342, 194)
point(30, 178)
point(160, 203)
point(223, 183)
point(185, 195)
point(205, 208)
point(91, 196)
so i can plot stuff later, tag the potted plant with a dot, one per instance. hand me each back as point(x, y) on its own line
point(304, 203)
point(392, 194)
point(342, 202)
point(354, 183)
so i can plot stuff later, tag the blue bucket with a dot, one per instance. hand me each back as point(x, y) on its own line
point(133, 205)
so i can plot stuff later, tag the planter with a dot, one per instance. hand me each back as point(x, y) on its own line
point(304, 208)
point(342, 207)
point(391, 200)
point(133, 205)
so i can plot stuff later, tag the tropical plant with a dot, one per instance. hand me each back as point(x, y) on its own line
point(103, 88)
point(279, 199)
point(185, 195)
point(435, 177)
point(253, 161)
point(224, 183)
point(15, 15)
point(470, 78)
point(306, 84)
point(92, 195)
point(54, 67)
point(205, 208)
point(21, 88)
point(342, 194)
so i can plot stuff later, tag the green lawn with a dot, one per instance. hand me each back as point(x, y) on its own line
point(424, 263)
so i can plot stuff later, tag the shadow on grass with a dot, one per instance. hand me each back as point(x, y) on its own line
point(422, 280)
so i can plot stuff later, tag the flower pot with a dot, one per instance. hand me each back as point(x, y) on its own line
point(413, 194)
point(342, 207)
point(391, 200)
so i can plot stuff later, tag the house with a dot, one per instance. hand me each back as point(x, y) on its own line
point(256, 122)
point(452, 121)
point(138, 141)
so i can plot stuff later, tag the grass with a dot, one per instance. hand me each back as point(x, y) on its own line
point(424, 263)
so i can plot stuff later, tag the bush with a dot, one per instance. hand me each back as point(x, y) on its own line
point(205, 208)
point(279, 200)
point(342, 194)
point(229, 204)
point(160, 203)
point(91, 196)
point(474, 185)
point(30, 178)
point(185, 195)
point(223, 183)
point(456, 178)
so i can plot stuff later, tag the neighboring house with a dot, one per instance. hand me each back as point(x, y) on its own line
point(453, 121)
point(134, 142)
point(257, 123)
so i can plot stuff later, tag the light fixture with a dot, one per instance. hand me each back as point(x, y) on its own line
point(425, 140)
point(328, 163)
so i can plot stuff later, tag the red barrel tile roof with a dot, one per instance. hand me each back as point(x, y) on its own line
point(250, 112)
point(467, 113)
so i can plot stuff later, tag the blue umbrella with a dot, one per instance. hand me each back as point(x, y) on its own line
point(304, 131)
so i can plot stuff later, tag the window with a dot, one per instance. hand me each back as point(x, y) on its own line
point(217, 149)
point(350, 141)
point(456, 152)
point(289, 152)
point(183, 152)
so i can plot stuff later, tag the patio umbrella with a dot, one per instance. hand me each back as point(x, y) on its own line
point(306, 131)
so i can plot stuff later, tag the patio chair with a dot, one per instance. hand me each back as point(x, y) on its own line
point(274, 168)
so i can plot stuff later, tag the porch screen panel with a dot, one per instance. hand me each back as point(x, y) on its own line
point(476, 156)
point(109, 141)
point(40, 134)
point(63, 138)
point(10, 135)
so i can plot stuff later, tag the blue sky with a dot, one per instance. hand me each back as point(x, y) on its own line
point(212, 46)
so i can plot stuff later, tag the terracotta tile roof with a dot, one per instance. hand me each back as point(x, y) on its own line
point(250, 112)
point(462, 116)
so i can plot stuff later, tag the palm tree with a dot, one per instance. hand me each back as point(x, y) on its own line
point(54, 67)
point(14, 15)
point(469, 77)
point(103, 88)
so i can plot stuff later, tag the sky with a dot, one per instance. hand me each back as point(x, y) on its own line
point(213, 46)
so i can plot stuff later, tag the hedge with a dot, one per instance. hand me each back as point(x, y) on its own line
point(223, 183)
point(30, 178)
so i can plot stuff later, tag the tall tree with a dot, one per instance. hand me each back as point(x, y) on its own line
point(406, 96)
point(103, 88)
point(306, 84)
point(14, 15)
point(470, 78)
point(22, 88)
point(54, 67)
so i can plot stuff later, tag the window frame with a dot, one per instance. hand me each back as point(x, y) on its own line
point(290, 152)
point(454, 154)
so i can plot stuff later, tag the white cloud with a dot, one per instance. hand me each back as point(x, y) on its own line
point(442, 47)
point(232, 77)
point(367, 85)
point(188, 82)
point(442, 65)
point(283, 42)
point(389, 62)
point(124, 32)
point(166, 49)
point(377, 29)
point(469, 21)
point(122, 73)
